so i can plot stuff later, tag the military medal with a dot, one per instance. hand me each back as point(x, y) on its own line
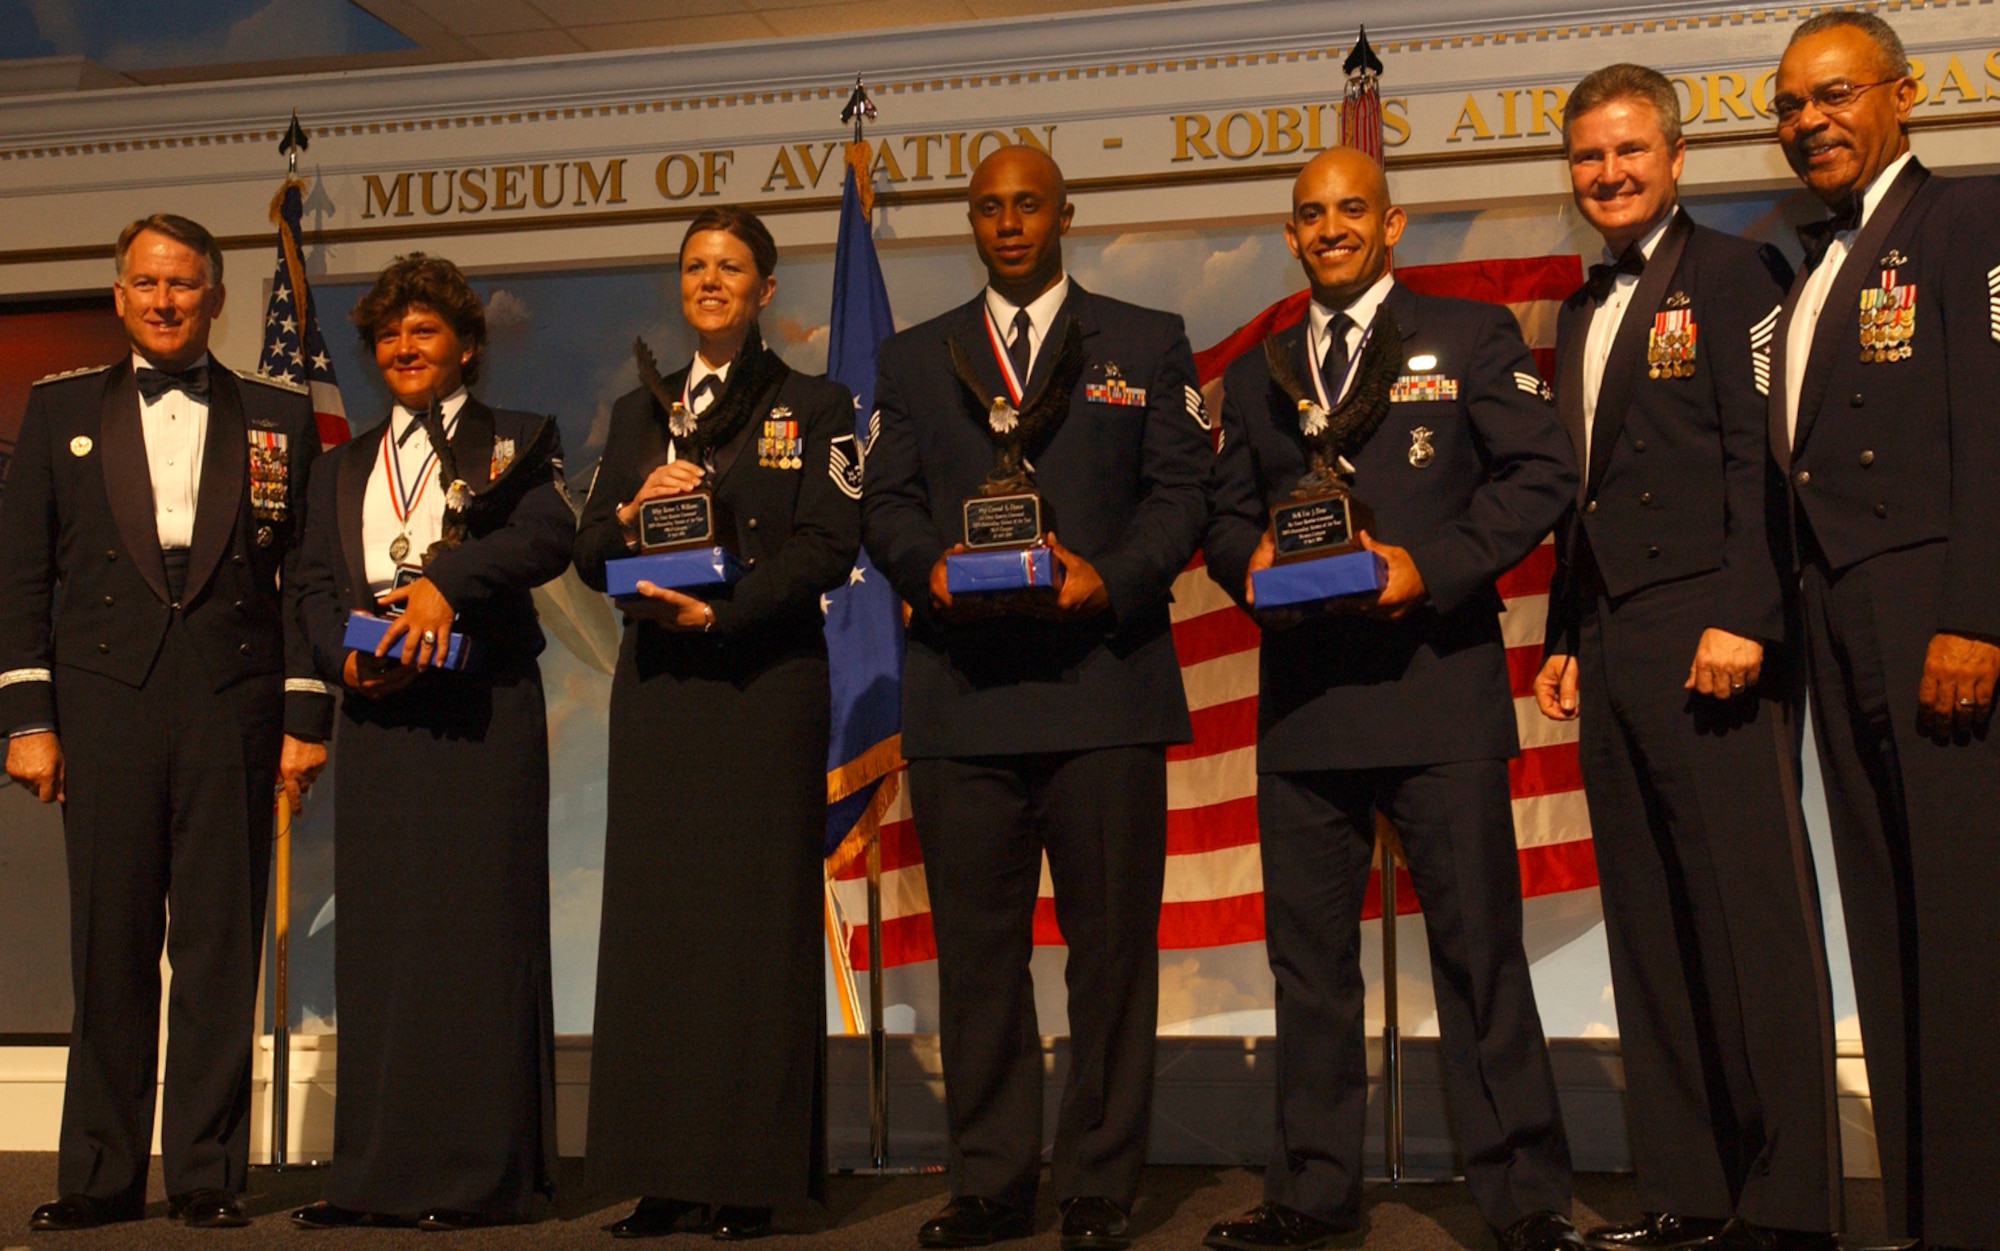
point(781, 445)
point(1888, 316)
point(1313, 417)
point(1670, 345)
point(403, 502)
point(269, 470)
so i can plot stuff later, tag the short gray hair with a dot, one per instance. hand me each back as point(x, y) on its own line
point(1884, 36)
point(188, 233)
point(1625, 82)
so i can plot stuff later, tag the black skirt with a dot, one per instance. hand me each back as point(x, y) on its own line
point(441, 865)
point(708, 1055)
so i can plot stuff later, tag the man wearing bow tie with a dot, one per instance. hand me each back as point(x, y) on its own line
point(1884, 419)
point(1403, 710)
point(1667, 638)
point(150, 669)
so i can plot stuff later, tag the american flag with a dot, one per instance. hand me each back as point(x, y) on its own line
point(1214, 879)
point(293, 347)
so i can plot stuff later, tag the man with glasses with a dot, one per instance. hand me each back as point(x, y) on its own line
point(1885, 420)
point(1666, 638)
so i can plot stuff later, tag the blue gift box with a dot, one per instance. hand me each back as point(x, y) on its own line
point(692, 569)
point(1313, 581)
point(984, 573)
point(365, 631)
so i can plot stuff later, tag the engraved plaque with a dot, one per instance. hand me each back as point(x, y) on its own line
point(997, 521)
point(677, 521)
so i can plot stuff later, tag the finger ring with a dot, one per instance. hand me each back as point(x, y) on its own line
point(1735, 686)
point(1965, 703)
point(430, 636)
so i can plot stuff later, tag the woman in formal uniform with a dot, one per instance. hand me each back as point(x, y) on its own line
point(446, 1115)
point(708, 1055)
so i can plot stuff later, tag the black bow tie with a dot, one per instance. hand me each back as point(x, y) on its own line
point(1818, 236)
point(1604, 277)
point(154, 383)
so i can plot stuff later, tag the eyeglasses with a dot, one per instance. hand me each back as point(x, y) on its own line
point(1831, 97)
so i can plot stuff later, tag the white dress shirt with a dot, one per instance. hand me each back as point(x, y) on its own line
point(1041, 315)
point(1819, 285)
point(1604, 326)
point(1361, 314)
point(176, 431)
point(425, 523)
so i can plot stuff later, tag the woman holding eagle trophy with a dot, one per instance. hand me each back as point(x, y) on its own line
point(430, 532)
point(724, 506)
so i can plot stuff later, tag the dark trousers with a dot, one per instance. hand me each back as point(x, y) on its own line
point(983, 824)
point(169, 811)
point(1457, 829)
point(1916, 836)
point(1711, 913)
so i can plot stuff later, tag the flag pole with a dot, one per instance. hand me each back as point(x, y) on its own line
point(878, 1038)
point(281, 1034)
point(1392, 1034)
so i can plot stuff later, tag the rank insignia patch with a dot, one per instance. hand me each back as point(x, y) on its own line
point(1532, 384)
point(1888, 318)
point(1670, 345)
point(1423, 388)
point(1760, 349)
point(1114, 390)
point(270, 475)
point(1196, 408)
point(782, 443)
point(1993, 300)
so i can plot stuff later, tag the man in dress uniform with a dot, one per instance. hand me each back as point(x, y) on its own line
point(1041, 728)
point(150, 668)
point(1403, 709)
point(1667, 636)
point(1885, 421)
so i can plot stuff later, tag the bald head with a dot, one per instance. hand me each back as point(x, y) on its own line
point(1343, 224)
point(1020, 210)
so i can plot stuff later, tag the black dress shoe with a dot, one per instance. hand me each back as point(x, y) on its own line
point(1742, 1235)
point(207, 1209)
point(81, 1212)
point(656, 1218)
point(1656, 1231)
point(1272, 1227)
point(1542, 1231)
point(737, 1224)
point(324, 1215)
point(1093, 1224)
point(447, 1220)
point(970, 1221)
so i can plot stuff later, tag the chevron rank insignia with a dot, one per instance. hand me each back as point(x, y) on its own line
point(844, 465)
point(1760, 346)
point(1197, 408)
point(1993, 300)
point(1533, 385)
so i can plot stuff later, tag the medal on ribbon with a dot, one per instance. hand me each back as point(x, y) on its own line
point(1888, 316)
point(403, 499)
point(1670, 344)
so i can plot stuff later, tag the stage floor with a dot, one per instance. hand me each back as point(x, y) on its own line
point(1176, 1206)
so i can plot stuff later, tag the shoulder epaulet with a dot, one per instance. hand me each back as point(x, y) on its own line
point(73, 373)
point(273, 380)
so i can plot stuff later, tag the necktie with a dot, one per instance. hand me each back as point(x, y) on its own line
point(154, 383)
point(1017, 349)
point(1818, 236)
point(1604, 277)
point(704, 393)
point(1333, 365)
